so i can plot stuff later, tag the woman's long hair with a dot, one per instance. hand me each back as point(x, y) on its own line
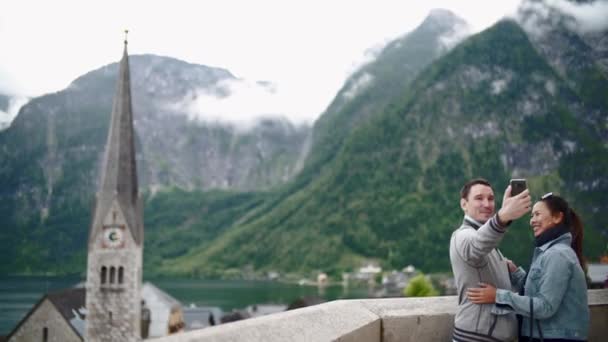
point(556, 204)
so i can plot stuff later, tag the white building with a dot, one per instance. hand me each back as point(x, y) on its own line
point(598, 273)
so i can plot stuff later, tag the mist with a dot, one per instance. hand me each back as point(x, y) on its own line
point(583, 18)
point(14, 105)
point(589, 17)
point(242, 104)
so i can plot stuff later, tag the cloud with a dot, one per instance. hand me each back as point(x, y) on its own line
point(8, 86)
point(357, 85)
point(589, 17)
point(460, 31)
point(14, 105)
point(307, 49)
point(241, 103)
point(539, 16)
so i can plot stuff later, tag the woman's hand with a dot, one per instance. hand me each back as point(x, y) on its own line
point(484, 294)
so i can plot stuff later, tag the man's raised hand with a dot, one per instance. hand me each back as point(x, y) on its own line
point(514, 207)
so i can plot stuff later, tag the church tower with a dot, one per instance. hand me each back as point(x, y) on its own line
point(115, 246)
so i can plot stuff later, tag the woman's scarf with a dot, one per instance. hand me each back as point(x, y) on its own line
point(551, 234)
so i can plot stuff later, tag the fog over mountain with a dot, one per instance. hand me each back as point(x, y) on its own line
point(9, 107)
point(298, 47)
point(582, 17)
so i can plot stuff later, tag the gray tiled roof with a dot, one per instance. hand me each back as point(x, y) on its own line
point(70, 303)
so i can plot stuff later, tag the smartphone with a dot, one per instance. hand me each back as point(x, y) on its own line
point(518, 186)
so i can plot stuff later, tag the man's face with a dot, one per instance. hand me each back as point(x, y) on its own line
point(479, 205)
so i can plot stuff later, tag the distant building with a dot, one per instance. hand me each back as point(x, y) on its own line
point(166, 312)
point(449, 286)
point(346, 277)
point(235, 315)
point(393, 283)
point(598, 274)
point(257, 310)
point(272, 275)
point(201, 317)
point(409, 270)
point(368, 272)
point(322, 279)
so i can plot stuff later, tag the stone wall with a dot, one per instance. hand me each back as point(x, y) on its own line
point(45, 316)
point(365, 320)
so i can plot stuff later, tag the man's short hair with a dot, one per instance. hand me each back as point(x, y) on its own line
point(466, 188)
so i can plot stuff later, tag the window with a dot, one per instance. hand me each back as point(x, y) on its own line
point(121, 271)
point(45, 334)
point(112, 274)
point(110, 316)
point(104, 274)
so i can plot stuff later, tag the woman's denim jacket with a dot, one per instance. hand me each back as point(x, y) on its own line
point(558, 288)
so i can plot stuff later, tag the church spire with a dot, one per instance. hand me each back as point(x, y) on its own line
point(119, 173)
point(115, 248)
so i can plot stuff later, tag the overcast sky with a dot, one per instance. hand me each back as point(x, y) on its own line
point(305, 48)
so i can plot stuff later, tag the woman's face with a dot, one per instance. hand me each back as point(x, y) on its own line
point(542, 219)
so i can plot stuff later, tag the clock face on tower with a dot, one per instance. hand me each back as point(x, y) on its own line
point(113, 236)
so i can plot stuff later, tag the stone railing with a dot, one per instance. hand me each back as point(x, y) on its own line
point(365, 320)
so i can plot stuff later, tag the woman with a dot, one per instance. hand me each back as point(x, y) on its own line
point(555, 291)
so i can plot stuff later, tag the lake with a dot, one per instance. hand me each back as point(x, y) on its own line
point(19, 294)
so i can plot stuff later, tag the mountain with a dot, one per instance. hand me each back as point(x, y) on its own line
point(51, 152)
point(375, 84)
point(363, 95)
point(4, 105)
point(494, 106)
point(4, 101)
point(175, 149)
point(371, 88)
point(386, 162)
point(578, 55)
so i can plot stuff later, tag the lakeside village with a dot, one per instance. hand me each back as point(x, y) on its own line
point(408, 282)
point(379, 283)
point(114, 304)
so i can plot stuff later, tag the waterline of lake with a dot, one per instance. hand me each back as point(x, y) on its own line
point(19, 294)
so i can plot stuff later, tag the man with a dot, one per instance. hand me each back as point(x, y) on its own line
point(475, 260)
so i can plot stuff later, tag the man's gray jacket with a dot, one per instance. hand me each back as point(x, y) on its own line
point(475, 260)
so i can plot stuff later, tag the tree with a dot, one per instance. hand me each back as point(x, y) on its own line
point(420, 286)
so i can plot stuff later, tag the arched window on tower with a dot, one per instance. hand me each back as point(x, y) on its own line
point(104, 274)
point(121, 271)
point(112, 274)
point(45, 334)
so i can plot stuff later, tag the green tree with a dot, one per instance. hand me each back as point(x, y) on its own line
point(420, 286)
